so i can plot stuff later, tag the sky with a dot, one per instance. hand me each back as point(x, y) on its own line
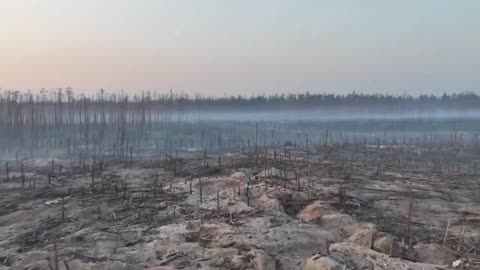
point(227, 47)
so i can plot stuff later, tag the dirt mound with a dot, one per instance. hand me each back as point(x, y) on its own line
point(211, 235)
point(343, 225)
point(352, 256)
point(269, 203)
point(255, 259)
point(313, 212)
point(363, 237)
point(433, 253)
point(318, 262)
point(384, 243)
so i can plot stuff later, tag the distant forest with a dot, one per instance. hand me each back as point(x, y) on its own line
point(178, 101)
point(119, 123)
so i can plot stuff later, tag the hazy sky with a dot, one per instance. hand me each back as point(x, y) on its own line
point(215, 47)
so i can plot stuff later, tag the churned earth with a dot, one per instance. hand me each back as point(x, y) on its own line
point(373, 208)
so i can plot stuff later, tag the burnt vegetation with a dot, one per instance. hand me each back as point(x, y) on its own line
point(117, 181)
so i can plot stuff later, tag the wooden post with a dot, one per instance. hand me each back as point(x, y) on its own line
point(248, 193)
point(92, 175)
point(155, 183)
point(174, 166)
point(102, 186)
point(409, 215)
point(63, 208)
point(201, 190)
point(7, 170)
point(55, 256)
point(204, 158)
point(23, 175)
point(446, 233)
point(256, 143)
point(298, 180)
point(16, 159)
point(460, 244)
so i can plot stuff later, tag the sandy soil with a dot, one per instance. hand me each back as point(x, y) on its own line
point(385, 208)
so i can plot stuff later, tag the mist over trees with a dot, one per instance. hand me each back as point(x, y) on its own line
point(121, 125)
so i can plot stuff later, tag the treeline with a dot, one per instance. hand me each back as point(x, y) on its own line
point(173, 100)
point(119, 125)
point(23, 114)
